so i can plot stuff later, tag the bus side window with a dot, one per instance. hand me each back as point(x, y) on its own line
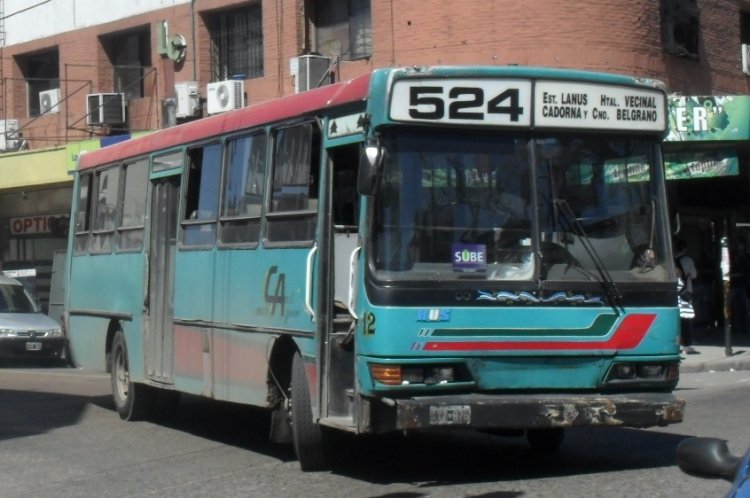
point(105, 210)
point(294, 197)
point(133, 212)
point(83, 215)
point(244, 182)
point(202, 202)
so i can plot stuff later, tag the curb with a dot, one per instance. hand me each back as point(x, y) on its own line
point(722, 365)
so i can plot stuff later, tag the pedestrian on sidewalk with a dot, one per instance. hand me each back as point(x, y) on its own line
point(686, 273)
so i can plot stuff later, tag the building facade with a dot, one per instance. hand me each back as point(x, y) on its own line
point(79, 74)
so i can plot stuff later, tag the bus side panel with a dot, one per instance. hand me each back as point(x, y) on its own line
point(240, 365)
point(193, 285)
point(87, 336)
point(192, 363)
point(262, 289)
point(106, 284)
point(242, 298)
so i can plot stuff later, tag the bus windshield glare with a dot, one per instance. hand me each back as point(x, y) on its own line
point(482, 205)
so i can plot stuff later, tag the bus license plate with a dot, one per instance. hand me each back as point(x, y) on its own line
point(450, 415)
point(33, 346)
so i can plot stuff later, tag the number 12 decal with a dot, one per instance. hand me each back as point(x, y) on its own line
point(489, 102)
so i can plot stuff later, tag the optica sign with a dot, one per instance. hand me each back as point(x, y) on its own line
point(40, 224)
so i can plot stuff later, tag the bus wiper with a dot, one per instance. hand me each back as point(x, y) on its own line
point(611, 292)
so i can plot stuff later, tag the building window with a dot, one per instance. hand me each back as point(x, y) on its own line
point(236, 43)
point(130, 56)
point(341, 30)
point(680, 28)
point(41, 72)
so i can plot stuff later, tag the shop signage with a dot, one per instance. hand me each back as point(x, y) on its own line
point(40, 224)
point(709, 118)
point(701, 164)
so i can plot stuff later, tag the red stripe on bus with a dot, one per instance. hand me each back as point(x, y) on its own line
point(628, 335)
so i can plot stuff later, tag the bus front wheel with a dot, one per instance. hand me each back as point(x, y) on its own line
point(132, 400)
point(310, 441)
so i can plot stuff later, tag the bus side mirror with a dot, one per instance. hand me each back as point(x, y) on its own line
point(368, 175)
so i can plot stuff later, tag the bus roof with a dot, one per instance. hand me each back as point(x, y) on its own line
point(299, 104)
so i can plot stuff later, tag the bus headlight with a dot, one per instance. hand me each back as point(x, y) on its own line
point(625, 374)
point(397, 375)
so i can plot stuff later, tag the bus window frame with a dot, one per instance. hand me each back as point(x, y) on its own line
point(83, 249)
point(223, 220)
point(270, 216)
point(159, 172)
point(101, 234)
point(120, 229)
point(184, 220)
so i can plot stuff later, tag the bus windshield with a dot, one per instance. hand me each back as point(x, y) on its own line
point(491, 206)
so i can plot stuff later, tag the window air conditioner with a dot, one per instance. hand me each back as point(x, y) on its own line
point(224, 96)
point(309, 71)
point(105, 109)
point(746, 58)
point(8, 134)
point(49, 101)
point(188, 100)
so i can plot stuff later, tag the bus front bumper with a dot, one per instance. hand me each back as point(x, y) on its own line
point(537, 411)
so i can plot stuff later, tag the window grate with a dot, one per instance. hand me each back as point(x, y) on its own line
point(237, 43)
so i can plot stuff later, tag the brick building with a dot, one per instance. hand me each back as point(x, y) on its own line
point(78, 74)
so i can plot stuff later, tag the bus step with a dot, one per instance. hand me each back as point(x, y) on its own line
point(342, 423)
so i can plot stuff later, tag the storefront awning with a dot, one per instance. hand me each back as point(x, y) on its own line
point(48, 166)
point(34, 168)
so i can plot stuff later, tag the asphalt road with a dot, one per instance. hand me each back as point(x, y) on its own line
point(60, 437)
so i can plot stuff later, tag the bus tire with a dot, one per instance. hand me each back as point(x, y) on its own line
point(545, 441)
point(133, 401)
point(310, 441)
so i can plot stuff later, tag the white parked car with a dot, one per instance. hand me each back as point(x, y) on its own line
point(25, 332)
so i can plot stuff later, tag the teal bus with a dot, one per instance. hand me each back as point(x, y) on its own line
point(419, 248)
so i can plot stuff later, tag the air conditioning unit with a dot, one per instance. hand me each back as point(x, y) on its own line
point(105, 109)
point(49, 101)
point(188, 100)
point(309, 71)
point(746, 58)
point(225, 95)
point(8, 134)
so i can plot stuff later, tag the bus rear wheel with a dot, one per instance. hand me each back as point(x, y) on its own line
point(310, 439)
point(132, 400)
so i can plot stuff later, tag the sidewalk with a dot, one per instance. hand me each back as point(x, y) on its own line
point(709, 343)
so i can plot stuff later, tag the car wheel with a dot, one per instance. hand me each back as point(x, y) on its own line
point(132, 400)
point(310, 439)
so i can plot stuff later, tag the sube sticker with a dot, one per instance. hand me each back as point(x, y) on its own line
point(469, 257)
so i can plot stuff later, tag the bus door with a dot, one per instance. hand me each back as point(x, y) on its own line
point(165, 202)
point(338, 354)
